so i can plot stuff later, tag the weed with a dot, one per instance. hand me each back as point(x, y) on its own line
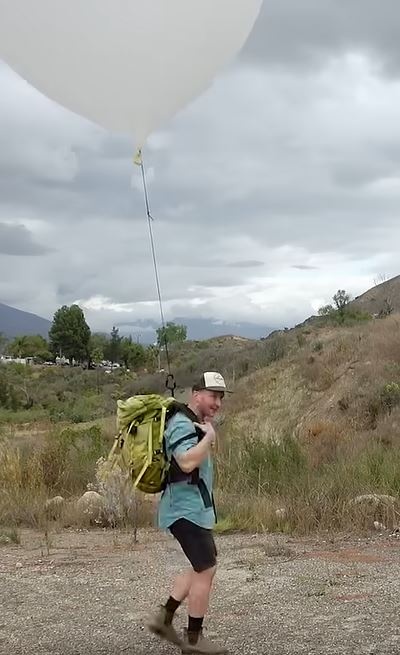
point(10, 536)
point(278, 550)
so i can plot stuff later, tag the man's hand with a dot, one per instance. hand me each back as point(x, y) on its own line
point(193, 457)
point(209, 432)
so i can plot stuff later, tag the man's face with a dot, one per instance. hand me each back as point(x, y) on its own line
point(209, 402)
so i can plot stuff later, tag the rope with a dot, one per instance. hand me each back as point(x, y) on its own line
point(170, 382)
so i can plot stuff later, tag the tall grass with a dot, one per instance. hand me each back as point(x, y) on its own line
point(261, 484)
point(60, 468)
point(63, 465)
point(277, 485)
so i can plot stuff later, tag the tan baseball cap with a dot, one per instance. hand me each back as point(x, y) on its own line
point(211, 381)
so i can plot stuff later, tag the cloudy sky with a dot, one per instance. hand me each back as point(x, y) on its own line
point(278, 186)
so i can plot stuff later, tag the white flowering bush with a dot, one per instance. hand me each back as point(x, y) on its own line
point(119, 498)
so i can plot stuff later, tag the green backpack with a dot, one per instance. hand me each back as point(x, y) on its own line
point(139, 445)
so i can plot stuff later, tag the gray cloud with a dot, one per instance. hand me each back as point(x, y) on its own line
point(17, 241)
point(304, 34)
point(289, 164)
point(246, 263)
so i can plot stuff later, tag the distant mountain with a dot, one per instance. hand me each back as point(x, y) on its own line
point(207, 328)
point(198, 329)
point(14, 323)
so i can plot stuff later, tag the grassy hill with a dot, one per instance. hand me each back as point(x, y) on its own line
point(380, 298)
point(311, 428)
point(318, 428)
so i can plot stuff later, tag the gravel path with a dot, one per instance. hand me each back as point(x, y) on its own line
point(89, 593)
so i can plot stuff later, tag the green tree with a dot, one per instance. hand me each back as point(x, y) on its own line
point(326, 310)
point(70, 334)
point(30, 346)
point(152, 358)
point(387, 308)
point(18, 346)
point(3, 342)
point(172, 333)
point(98, 346)
point(133, 354)
point(113, 349)
point(3, 390)
point(14, 392)
point(341, 300)
point(97, 356)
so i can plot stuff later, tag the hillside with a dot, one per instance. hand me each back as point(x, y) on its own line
point(331, 382)
point(380, 298)
point(14, 322)
point(311, 427)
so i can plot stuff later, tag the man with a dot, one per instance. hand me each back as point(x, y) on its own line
point(187, 510)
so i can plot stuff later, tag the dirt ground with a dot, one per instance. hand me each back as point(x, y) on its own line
point(90, 593)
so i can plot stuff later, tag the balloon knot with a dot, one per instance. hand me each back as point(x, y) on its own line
point(138, 158)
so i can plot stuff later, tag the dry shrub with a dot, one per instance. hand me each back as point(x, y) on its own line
point(29, 480)
point(64, 464)
point(245, 512)
point(10, 536)
point(322, 367)
point(141, 515)
point(22, 492)
point(374, 399)
point(343, 350)
point(382, 343)
point(323, 441)
point(316, 373)
point(388, 429)
point(122, 505)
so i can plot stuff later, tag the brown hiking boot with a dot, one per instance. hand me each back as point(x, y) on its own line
point(203, 645)
point(157, 624)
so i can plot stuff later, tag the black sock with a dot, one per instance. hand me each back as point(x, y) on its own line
point(194, 628)
point(171, 606)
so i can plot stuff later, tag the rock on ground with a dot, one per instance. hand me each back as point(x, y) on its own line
point(91, 504)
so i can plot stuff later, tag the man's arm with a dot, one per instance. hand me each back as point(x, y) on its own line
point(189, 457)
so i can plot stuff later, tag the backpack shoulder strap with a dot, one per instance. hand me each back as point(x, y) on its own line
point(176, 407)
point(182, 408)
point(175, 473)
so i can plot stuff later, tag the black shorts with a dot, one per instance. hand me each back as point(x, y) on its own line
point(197, 543)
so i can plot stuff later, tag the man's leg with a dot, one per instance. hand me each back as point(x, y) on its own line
point(161, 622)
point(179, 593)
point(196, 587)
point(199, 593)
point(182, 584)
point(199, 598)
point(199, 547)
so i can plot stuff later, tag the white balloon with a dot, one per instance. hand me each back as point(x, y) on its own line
point(128, 65)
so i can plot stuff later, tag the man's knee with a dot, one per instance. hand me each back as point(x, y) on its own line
point(212, 571)
point(206, 572)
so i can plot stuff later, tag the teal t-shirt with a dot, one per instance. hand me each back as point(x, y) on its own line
point(181, 499)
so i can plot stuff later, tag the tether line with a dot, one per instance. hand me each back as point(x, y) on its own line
point(150, 219)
